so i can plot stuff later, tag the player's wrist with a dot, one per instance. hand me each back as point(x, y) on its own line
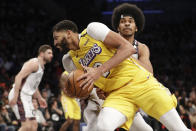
point(101, 69)
point(39, 98)
point(16, 95)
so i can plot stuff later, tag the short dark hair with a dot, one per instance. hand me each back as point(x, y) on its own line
point(43, 48)
point(130, 10)
point(65, 25)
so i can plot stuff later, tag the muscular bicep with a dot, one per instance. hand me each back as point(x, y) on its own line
point(144, 57)
point(114, 40)
point(102, 33)
point(97, 30)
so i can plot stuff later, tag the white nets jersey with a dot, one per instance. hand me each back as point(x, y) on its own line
point(135, 45)
point(32, 81)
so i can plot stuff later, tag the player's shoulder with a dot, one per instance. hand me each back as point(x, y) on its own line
point(65, 56)
point(142, 46)
point(97, 30)
point(32, 63)
point(94, 25)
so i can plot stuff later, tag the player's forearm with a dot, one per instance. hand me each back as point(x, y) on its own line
point(18, 81)
point(120, 56)
point(124, 50)
point(37, 94)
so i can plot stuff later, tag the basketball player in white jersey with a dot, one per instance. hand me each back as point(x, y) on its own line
point(26, 86)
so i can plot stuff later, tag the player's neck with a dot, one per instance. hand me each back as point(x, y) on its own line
point(129, 38)
point(41, 61)
point(76, 42)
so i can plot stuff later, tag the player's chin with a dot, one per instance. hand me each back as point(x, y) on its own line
point(48, 61)
point(59, 47)
point(128, 33)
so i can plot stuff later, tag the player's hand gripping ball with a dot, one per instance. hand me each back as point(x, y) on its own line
point(73, 86)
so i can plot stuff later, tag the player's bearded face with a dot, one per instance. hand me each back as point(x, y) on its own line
point(63, 44)
point(60, 41)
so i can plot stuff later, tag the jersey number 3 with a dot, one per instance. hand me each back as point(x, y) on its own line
point(97, 64)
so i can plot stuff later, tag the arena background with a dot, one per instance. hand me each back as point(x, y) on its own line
point(169, 32)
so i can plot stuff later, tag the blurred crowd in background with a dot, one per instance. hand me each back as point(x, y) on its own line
point(23, 28)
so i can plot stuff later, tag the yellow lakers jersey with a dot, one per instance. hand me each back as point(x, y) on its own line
point(93, 53)
point(70, 107)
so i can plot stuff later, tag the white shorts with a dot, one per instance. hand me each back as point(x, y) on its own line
point(92, 110)
point(24, 108)
point(94, 103)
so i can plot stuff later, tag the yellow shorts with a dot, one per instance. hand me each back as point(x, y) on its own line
point(149, 95)
point(70, 107)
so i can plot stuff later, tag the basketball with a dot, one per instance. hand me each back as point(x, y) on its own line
point(73, 87)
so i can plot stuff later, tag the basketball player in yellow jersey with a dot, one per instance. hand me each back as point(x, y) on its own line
point(125, 17)
point(106, 57)
point(70, 107)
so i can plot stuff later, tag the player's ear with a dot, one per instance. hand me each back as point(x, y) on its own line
point(41, 53)
point(68, 32)
point(136, 29)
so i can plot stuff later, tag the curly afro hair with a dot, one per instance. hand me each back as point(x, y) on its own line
point(128, 10)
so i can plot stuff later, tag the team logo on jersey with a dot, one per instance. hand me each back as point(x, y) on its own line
point(90, 55)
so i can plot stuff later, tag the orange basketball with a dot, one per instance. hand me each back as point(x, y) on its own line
point(74, 88)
